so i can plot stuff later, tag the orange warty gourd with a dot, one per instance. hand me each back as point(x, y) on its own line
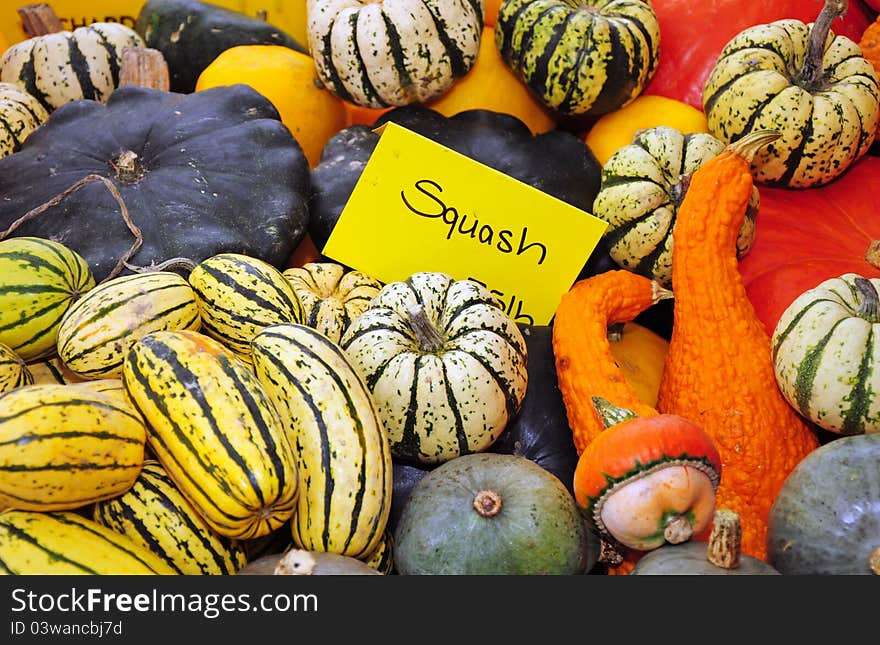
point(585, 365)
point(870, 44)
point(719, 372)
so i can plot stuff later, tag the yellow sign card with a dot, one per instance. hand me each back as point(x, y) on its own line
point(419, 206)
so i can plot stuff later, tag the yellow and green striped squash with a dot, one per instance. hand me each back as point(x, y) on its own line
point(214, 430)
point(382, 557)
point(20, 115)
point(63, 447)
point(826, 354)
point(331, 297)
point(39, 280)
point(238, 295)
point(97, 330)
point(156, 516)
point(52, 370)
point(590, 57)
point(13, 370)
point(66, 543)
point(342, 451)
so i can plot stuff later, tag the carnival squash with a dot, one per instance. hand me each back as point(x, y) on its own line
point(14, 371)
point(20, 114)
point(808, 236)
point(196, 175)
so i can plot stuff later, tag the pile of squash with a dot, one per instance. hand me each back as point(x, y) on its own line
point(188, 386)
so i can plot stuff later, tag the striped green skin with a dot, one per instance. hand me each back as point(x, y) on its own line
point(643, 184)
point(69, 65)
point(382, 557)
point(331, 297)
point(66, 543)
point(214, 430)
point(379, 54)
point(238, 295)
point(826, 356)
point(98, 329)
point(39, 280)
point(439, 404)
point(20, 114)
point(589, 58)
point(756, 84)
point(63, 447)
point(13, 371)
point(342, 451)
point(52, 370)
point(156, 516)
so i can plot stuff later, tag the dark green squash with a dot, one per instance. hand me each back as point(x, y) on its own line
point(555, 162)
point(826, 518)
point(201, 174)
point(489, 514)
point(191, 34)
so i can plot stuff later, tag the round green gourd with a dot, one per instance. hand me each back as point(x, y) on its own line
point(826, 518)
point(490, 514)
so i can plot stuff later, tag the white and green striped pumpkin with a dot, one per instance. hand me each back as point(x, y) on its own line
point(642, 187)
point(445, 364)
point(814, 88)
point(67, 66)
point(589, 57)
point(379, 54)
point(826, 354)
point(20, 114)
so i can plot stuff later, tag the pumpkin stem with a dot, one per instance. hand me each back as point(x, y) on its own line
point(611, 414)
point(749, 145)
point(168, 265)
point(488, 503)
point(872, 255)
point(869, 307)
point(874, 560)
point(426, 334)
point(725, 541)
point(811, 72)
point(127, 166)
point(39, 20)
point(678, 529)
point(144, 67)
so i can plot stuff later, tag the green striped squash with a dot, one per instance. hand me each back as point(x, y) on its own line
point(97, 330)
point(63, 447)
point(39, 280)
point(824, 101)
point(826, 354)
point(214, 430)
point(157, 517)
point(66, 543)
point(331, 296)
point(69, 65)
point(13, 371)
point(20, 114)
point(642, 187)
point(52, 370)
point(238, 295)
point(379, 54)
point(590, 57)
point(342, 452)
point(446, 365)
point(382, 557)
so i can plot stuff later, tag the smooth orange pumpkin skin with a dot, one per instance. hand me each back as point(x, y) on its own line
point(289, 80)
point(490, 85)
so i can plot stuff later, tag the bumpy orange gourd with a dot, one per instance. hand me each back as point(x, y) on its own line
point(585, 365)
point(870, 44)
point(719, 372)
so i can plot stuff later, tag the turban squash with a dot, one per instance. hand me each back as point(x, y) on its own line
point(200, 174)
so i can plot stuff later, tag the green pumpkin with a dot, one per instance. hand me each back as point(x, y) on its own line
point(490, 514)
point(643, 185)
point(814, 88)
point(826, 518)
point(590, 57)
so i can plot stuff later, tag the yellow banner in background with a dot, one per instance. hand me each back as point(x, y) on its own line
point(419, 206)
point(287, 15)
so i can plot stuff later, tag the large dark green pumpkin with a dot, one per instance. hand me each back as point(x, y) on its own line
point(191, 34)
point(556, 162)
point(489, 514)
point(214, 172)
point(826, 518)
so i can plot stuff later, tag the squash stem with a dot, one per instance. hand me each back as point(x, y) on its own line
point(426, 334)
point(725, 541)
point(869, 307)
point(749, 145)
point(872, 255)
point(488, 503)
point(39, 20)
point(811, 72)
point(611, 414)
point(875, 561)
point(678, 529)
